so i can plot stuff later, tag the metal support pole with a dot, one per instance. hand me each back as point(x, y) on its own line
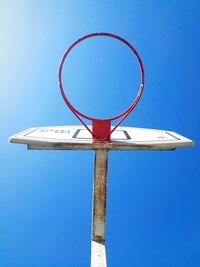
point(98, 252)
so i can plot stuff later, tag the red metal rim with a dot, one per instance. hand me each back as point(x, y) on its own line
point(128, 110)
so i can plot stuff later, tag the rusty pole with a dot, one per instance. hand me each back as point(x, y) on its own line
point(98, 252)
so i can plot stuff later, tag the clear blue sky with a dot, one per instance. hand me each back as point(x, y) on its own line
point(46, 197)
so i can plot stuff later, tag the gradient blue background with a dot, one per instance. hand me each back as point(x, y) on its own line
point(153, 199)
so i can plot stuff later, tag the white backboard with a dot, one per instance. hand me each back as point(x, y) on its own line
point(77, 137)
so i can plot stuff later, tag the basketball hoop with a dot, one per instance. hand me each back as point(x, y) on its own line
point(101, 128)
point(76, 137)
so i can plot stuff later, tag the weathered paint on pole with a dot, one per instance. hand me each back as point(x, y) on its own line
point(98, 253)
point(99, 195)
